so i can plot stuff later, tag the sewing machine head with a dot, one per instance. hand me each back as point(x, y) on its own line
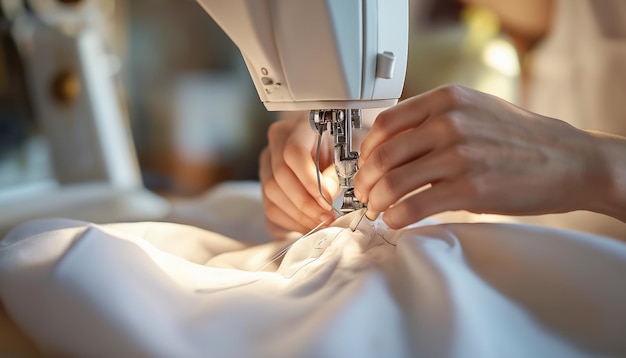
point(332, 58)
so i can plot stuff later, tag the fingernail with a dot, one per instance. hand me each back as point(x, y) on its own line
point(371, 215)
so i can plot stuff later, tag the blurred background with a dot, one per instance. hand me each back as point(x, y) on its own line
point(181, 90)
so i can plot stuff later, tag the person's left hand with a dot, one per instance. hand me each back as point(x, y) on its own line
point(291, 197)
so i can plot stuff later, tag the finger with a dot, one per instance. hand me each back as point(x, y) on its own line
point(330, 182)
point(305, 217)
point(439, 166)
point(296, 194)
point(386, 157)
point(437, 134)
point(279, 218)
point(299, 194)
point(411, 113)
point(273, 193)
point(441, 197)
point(297, 155)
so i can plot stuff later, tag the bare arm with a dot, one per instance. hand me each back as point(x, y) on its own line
point(608, 186)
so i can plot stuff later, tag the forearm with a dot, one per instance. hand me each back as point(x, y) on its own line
point(608, 184)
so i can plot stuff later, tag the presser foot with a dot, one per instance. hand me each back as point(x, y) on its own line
point(350, 202)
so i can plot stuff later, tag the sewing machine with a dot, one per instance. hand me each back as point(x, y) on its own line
point(332, 58)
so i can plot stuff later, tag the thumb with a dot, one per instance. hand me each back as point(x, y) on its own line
point(330, 182)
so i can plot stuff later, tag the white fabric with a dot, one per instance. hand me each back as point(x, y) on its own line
point(231, 208)
point(444, 290)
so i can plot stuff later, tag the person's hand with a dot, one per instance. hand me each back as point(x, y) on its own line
point(291, 198)
point(471, 151)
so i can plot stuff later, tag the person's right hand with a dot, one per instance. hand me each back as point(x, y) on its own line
point(455, 148)
point(291, 199)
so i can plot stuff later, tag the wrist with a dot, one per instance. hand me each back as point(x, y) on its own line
point(608, 181)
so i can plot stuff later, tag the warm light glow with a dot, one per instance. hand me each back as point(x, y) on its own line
point(501, 56)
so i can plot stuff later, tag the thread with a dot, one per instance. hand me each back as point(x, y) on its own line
point(318, 150)
point(360, 219)
point(282, 252)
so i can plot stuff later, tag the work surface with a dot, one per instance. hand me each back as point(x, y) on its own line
point(433, 290)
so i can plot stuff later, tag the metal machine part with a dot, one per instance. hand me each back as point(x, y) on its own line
point(346, 161)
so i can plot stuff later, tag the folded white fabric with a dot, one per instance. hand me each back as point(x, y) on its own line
point(446, 290)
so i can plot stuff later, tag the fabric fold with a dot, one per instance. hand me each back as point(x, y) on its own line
point(431, 290)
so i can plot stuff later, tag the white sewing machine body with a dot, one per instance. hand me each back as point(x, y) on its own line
point(302, 55)
point(321, 54)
